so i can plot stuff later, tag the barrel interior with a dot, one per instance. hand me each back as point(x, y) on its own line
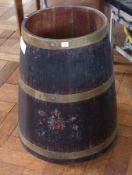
point(65, 22)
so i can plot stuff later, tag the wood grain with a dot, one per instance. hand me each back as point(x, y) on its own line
point(129, 169)
point(11, 46)
point(118, 162)
point(13, 144)
point(2, 116)
point(125, 114)
point(75, 169)
point(9, 57)
point(9, 93)
point(118, 78)
point(71, 2)
point(96, 167)
point(15, 132)
point(6, 71)
point(125, 131)
point(21, 159)
point(7, 127)
point(5, 106)
point(10, 169)
point(125, 91)
point(32, 172)
point(4, 35)
point(2, 64)
point(13, 79)
point(53, 168)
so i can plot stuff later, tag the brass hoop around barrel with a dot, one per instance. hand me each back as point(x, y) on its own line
point(68, 155)
point(57, 44)
point(70, 43)
point(66, 98)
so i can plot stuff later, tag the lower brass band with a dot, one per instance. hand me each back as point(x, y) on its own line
point(68, 155)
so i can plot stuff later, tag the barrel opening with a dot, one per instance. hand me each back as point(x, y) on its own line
point(65, 22)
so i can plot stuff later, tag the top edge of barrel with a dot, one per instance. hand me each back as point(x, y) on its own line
point(68, 43)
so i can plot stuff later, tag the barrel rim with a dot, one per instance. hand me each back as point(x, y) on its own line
point(68, 43)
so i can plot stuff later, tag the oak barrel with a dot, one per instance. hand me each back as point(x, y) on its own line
point(67, 104)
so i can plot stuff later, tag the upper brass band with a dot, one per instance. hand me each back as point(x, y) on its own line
point(57, 44)
point(68, 155)
point(54, 44)
point(66, 98)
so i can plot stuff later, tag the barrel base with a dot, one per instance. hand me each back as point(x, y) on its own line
point(66, 161)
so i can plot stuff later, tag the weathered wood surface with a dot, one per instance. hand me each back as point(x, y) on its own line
point(68, 71)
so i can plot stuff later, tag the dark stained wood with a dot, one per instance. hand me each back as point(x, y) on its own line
point(38, 4)
point(58, 25)
point(71, 76)
point(19, 11)
point(100, 5)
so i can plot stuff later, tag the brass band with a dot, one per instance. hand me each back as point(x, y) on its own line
point(66, 98)
point(54, 44)
point(68, 155)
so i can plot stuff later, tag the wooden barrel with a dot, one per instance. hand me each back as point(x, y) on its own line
point(67, 105)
